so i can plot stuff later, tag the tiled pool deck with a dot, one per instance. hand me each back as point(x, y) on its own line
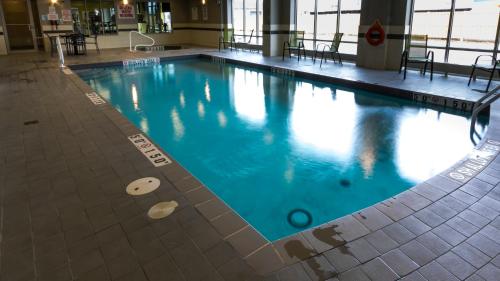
point(65, 214)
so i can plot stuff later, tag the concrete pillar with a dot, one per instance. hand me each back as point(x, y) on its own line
point(279, 19)
point(394, 16)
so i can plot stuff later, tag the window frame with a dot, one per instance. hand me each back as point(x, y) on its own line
point(339, 13)
point(101, 25)
point(447, 48)
point(258, 24)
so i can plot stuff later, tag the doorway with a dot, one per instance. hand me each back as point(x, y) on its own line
point(19, 27)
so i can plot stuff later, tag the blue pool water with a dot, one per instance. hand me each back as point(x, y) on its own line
point(285, 153)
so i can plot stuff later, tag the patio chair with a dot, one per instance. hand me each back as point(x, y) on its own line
point(227, 38)
point(93, 37)
point(332, 49)
point(416, 52)
point(79, 43)
point(248, 43)
point(295, 43)
point(489, 66)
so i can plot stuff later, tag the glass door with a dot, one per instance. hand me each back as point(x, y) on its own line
point(18, 24)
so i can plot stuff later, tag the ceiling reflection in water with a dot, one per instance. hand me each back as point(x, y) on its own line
point(268, 145)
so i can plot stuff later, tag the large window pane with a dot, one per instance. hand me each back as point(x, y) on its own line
point(153, 16)
point(79, 16)
point(238, 16)
point(431, 18)
point(94, 16)
point(349, 25)
point(261, 21)
point(108, 16)
point(327, 19)
point(250, 17)
point(474, 27)
point(305, 20)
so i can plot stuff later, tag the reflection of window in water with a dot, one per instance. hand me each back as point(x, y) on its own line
point(153, 16)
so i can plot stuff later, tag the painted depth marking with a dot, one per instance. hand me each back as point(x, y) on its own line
point(476, 161)
point(95, 98)
point(155, 156)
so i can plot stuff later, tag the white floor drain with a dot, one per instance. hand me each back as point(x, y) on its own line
point(162, 209)
point(143, 186)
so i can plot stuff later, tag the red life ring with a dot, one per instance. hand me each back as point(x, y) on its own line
point(375, 34)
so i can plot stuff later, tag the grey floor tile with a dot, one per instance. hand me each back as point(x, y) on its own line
point(362, 250)
point(435, 272)
point(355, 274)
point(415, 276)
point(471, 255)
point(398, 233)
point(399, 262)
point(341, 258)
point(414, 225)
point(456, 265)
point(350, 228)
point(376, 269)
point(418, 252)
point(372, 218)
point(489, 272)
point(448, 234)
point(293, 273)
point(434, 243)
point(484, 244)
point(318, 268)
point(381, 241)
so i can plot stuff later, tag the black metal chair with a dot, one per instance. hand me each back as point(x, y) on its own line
point(491, 66)
point(295, 43)
point(79, 43)
point(333, 49)
point(416, 52)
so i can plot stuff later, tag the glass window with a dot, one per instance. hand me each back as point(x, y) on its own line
point(474, 27)
point(327, 19)
point(250, 17)
point(238, 16)
point(247, 16)
point(94, 16)
point(153, 16)
point(431, 18)
point(350, 11)
point(305, 21)
point(327, 16)
point(260, 20)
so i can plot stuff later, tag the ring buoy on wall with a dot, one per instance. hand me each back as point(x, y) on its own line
point(375, 34)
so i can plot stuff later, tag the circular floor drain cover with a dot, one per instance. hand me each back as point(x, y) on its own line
point(299, 218)
point(162, 209)
point(143, 186)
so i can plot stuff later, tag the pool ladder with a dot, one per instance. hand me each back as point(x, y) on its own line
point(481, 104)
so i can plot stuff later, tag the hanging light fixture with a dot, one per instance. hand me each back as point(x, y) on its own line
point(53, 1)
point(203, 2)
point(125, 2)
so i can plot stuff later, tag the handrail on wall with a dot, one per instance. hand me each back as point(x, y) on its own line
point(139, 45)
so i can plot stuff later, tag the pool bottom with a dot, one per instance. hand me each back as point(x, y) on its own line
point(318, 170)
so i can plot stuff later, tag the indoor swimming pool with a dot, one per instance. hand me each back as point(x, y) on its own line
point(285, 153)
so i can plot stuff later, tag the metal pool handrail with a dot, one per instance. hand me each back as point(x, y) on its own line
point(60, 52)
point(481, 104)
point(141, 45)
